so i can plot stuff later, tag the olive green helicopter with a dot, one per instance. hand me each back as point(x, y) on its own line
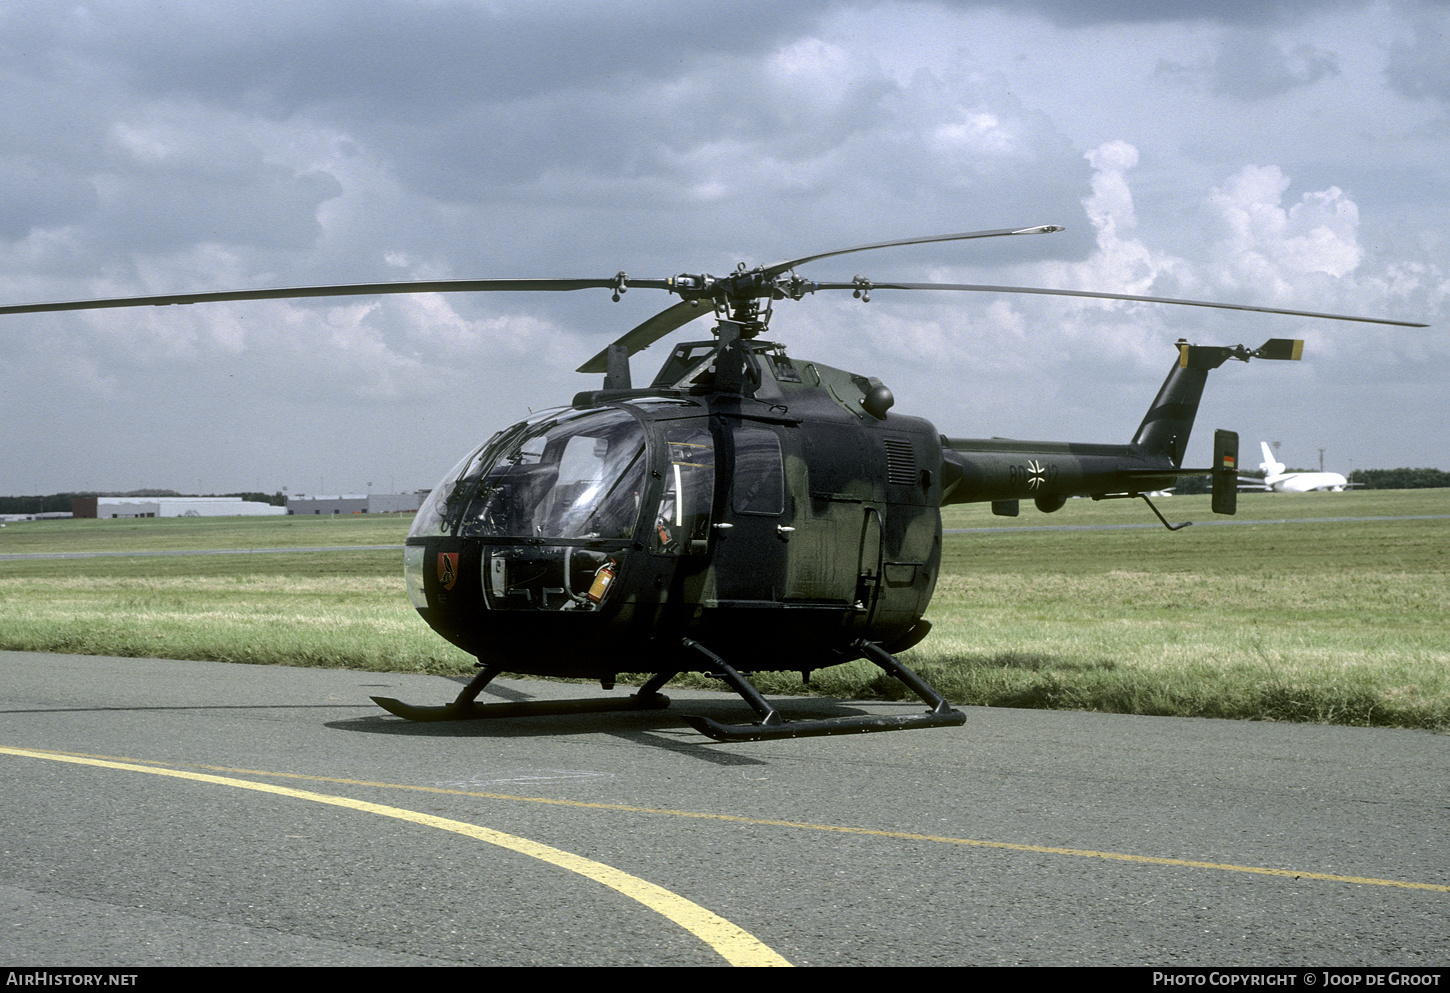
point(744, 512)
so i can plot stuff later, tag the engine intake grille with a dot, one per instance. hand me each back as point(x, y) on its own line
point(900, 462)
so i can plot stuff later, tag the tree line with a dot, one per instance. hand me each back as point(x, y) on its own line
point(1399, 479)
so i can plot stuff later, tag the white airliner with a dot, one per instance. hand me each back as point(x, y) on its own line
point(1275, 478)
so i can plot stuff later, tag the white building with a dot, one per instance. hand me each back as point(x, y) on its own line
point(172, 507)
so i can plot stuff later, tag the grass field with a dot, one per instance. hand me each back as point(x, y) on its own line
point(1293, 618)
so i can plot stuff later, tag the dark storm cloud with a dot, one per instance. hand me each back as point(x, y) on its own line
point(393, 58)
point(31, 195)
point(1417, 66)
point(1250, 66)
point(263, 207)
point(448, 90)
point(1082, 13)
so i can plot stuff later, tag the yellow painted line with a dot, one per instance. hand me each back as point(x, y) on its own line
point(735, 945)
point(842, 829)
point(872, 832)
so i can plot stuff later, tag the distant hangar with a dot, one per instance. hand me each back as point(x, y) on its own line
point(171, 507)
point(119, 507)
point(358, 503)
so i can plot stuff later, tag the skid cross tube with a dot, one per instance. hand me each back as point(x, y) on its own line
point(772, 726)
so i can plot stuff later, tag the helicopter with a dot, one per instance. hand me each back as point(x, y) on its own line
point(744, 512)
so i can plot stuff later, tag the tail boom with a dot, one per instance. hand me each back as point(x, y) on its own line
point(1004, 471)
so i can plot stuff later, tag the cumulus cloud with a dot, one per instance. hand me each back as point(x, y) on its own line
point(1267, 248)
point(1257, 247)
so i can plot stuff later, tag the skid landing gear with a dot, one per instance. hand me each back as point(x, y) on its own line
point(463, 708)
point(772, 726)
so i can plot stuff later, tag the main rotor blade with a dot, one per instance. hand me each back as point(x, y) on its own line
point(971, 287)
point(650, 331)
point(780, 267)
point(347, 290)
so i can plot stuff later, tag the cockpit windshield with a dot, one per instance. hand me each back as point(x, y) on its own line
point(575, 475)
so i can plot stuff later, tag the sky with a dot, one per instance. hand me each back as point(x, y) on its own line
point(1288, 154)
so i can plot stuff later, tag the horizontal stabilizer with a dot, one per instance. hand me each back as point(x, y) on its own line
point(1281, 348)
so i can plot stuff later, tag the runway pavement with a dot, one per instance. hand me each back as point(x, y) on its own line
point(187, 813)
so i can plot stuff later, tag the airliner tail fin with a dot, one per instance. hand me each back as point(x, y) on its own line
point(1270, 465)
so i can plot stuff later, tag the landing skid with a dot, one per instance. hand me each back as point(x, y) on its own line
point(772, 726)
point(463, 708)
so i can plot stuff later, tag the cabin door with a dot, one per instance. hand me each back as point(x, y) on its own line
point(753, 513)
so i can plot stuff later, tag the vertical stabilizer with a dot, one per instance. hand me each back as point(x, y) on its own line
point(1270, 465)
point(1169, 421)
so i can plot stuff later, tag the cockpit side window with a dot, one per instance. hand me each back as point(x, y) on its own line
point(682, 525)
point(759, 483)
